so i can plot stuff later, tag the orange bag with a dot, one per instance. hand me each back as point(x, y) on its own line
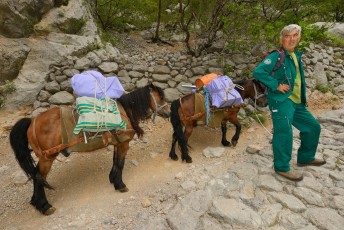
point(200, 82)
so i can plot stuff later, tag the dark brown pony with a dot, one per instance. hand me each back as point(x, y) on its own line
point(43, 134)
point(183, 116)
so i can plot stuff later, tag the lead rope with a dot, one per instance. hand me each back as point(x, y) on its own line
point(255, 108)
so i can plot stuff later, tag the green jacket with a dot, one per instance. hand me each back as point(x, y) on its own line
point(285, 74)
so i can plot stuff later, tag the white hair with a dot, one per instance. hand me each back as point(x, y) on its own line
point(290, 28)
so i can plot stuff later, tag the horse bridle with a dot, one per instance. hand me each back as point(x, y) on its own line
point(158, 107)
point(256, 95)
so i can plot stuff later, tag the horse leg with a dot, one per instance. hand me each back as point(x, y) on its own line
point(178, 134)
point(115, 175)
point(112, 174)
point(184, 143)
point(224, 141)
point(39, 199)
point(235, 121)
point(19, 140)
point(173, 154)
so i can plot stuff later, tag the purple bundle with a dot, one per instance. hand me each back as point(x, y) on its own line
point(93, 84)
point(223, 93)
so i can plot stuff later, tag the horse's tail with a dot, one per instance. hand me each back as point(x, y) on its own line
point(178, 127)
point(20, 145)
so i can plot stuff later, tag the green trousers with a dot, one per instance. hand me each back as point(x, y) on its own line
point(285, 115)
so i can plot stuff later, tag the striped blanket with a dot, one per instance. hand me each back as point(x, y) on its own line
point(97, 115)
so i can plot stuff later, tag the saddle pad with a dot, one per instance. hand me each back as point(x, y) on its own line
point(223, 93)
point(97, 115)
point(68, 122)
point(216, 116)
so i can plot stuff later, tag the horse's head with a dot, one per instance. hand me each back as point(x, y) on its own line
point(255, 90)
point(158, 102)
point(260, 93)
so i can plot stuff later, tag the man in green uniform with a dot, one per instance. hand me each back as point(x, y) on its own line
point(287, 103)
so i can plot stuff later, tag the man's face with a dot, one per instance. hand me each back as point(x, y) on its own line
point(290, 40)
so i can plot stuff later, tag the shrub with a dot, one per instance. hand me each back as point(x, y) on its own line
point(5, 89)
point(322, 88)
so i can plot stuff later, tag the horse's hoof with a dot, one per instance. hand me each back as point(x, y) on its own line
point(50, 211)
point(234, 143)
point(226, 143)
point(174, 158)
point(125, 189)
point(188, 160)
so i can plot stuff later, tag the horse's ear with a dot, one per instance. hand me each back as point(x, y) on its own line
point(151, 86)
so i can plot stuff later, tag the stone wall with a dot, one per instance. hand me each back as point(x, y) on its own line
point(170, 71)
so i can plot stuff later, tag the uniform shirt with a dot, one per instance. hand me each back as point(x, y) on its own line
point(296, 94)
point(284, 75)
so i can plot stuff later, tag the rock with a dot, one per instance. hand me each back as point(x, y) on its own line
point(146, 203)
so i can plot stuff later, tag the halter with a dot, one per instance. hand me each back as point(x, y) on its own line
point(256, 95)
point(158, 108)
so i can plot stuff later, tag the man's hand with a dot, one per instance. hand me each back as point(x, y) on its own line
point(283, 88)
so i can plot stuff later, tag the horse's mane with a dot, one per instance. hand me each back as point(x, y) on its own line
point(136, 104)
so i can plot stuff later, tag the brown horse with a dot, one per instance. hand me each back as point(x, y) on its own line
point(43, 134)
point(183, 115)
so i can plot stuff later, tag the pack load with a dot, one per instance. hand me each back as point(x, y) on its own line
point(223, 93)
point(97, 115)
point(280, 59)
point(93, 84)
point(205, 80)
point(95, 102)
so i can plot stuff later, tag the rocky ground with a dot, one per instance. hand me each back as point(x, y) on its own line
point(83, 196)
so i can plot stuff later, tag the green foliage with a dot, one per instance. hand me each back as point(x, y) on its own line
point(6, 89)
point(259, 117)
point(228, 69)
point(312, 34)
point(60, 14)
point(106, 36)
point(219, 59)
point(329, 10)
point(266, 18)
point(247, 73)
point(323, 88)
point(9, 87)
point(338, 162)
point(2, 101)
point(73, 26)
point(117, 14)
point(334, 40)
point(243, 23)
point(238, 32)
